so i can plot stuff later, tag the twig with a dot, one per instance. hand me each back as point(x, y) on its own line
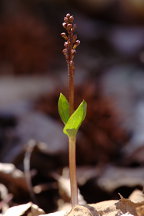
point(27, 172)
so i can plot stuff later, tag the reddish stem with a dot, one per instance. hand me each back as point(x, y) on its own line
point(72, 168)
point(71, 85)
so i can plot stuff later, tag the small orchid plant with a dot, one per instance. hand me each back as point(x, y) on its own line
point(72, 118)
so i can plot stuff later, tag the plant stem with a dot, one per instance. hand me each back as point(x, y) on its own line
point(71, 70)
point(72, 168)
point(71, 85)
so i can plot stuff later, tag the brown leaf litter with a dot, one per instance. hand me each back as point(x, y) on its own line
point(106, 208)
point(28, 209)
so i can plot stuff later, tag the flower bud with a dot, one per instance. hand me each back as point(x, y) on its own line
point(64, 25)
point(66, 44)
point(76, 44)
point(66, 19)
point(71, 19)
point(69, 26)
point(73, 51)
point(64, 35)
point(64, 51)
point(68, 15)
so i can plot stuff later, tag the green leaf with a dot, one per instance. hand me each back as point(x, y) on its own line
point(63, 108)
point(75, 120)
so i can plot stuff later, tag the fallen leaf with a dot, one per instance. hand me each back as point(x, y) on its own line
point(137, 196)
point(114, 177)
point(140, 210)
point(28, 209)
point(9, 175)
point(122, 207)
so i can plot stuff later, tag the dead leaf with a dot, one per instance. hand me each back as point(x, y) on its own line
point(137, 196)
point(5, 198)
point(140, 210)
point(122, 207)
point(9, 175)
point(125, 205)
point(28, 209)
point(106, 208)
point(114, 177)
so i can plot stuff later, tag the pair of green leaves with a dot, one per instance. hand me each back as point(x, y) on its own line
point(73, 122)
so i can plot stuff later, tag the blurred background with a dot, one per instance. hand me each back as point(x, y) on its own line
point(109, 76)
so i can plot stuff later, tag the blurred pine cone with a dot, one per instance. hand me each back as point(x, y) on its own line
point(26, 44)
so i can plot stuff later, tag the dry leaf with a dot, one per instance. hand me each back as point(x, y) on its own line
point(125, 205)
point(106, 208)
point(28, 209)
point(114, 177)
point(137, 196)
point(122, 207)
point(5, 198)
point(9, 175)
point(140, 210)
